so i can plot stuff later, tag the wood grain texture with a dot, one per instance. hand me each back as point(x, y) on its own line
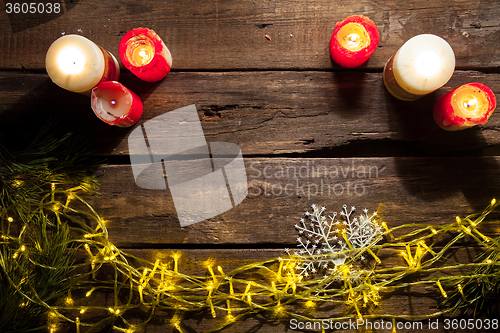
point(310, 131)
point(265, 113)
point(225, 34)
point(403, 190)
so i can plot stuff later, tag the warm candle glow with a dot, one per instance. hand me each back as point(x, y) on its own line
point(71, 60)
point(353, 41)
point(353, 36)
point(143, 53)
point(428, 63)
point(422, 65)
point(77, 64)
point(470, 101)
point(466, 106)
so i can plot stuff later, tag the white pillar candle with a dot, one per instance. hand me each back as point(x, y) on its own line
point(77, 64)
point(422, 65)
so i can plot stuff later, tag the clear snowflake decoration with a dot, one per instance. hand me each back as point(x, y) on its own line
point(322, 237)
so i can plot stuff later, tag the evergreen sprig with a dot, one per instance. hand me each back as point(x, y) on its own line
point(36, 246)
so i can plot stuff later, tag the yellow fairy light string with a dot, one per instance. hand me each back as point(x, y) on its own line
point(377, 259)
point(140, 293)
point(176, 256)
point(427, 248)
point(410, 257)
point(344, 235)
point(357, 286)
point(228, 302)
point(155, 267)
point(77, 322)
point(144, 272)
point(461, 291)
point(405, 257)
point(279, 270)
point(231, 289)
point(441, 288)
point(52, 194)
point(163, 268)
point(247, 289)
point(210, 288)
point(384, 225)
point(90, 292)
point(178, 327)
point(212, 273)
point(310, 304)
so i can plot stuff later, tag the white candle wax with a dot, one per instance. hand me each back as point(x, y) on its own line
point(112, 104)
point(116, 105)
point(422, 65)
point(77, 64)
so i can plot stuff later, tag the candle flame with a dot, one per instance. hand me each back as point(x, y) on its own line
point(428, 63)
point(471, 103)
point(353, 39)
point(142, 54)
point(71, 60)
point(353, 36)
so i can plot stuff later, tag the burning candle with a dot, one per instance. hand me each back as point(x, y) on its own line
point(143, 53)
point(422, 65)
point(116, 105)
point(353, 41)
point(77, 64)
point(466, 106)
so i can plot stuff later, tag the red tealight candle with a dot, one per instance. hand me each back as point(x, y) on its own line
point(143, 53)
point(353, 41)
point(116, 105)
point(466, 106)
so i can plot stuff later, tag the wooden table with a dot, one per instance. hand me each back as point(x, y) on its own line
point(286, 104)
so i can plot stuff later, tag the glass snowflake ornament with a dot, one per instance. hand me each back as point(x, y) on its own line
point(325, 242)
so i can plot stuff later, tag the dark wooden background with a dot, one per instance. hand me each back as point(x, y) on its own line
point(285, 103)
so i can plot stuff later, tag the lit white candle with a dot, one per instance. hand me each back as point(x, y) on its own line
point(77, 64)
point(422, 65)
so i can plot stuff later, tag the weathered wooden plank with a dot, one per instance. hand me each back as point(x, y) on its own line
point(403, 190)
point(215, 34)
point(409, 301)
point(347, 113)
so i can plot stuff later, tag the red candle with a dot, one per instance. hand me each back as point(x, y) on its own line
point(353, 41)
point(116, 105)
point(143, 53)
point(466, 106)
